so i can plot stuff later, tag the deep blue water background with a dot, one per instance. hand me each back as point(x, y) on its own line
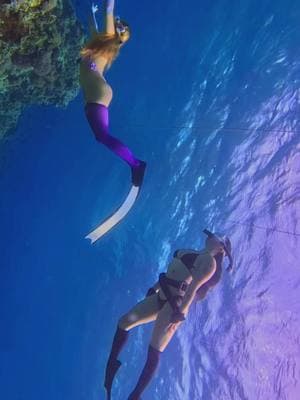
point(207, 93)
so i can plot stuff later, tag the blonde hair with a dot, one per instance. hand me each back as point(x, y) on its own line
point(105, 44)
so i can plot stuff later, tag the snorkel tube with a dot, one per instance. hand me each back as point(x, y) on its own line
point(225, 243)
point(120, 27)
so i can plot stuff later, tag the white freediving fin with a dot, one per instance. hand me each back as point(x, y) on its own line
point(116, 217)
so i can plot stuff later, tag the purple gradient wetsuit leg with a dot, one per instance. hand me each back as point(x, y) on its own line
point(97, 115)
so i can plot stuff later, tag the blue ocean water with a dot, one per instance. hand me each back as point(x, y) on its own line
point(207, 93)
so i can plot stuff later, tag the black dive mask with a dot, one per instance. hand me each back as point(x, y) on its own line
point(120, 28)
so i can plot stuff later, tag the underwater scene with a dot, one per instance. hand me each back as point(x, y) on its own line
point(139, 126)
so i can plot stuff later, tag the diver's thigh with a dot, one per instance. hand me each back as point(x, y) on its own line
point(161, 335)
point(143, 312)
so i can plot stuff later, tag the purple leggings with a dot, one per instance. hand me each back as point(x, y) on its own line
point(97, 115)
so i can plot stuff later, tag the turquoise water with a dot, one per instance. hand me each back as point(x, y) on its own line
point(209, 96)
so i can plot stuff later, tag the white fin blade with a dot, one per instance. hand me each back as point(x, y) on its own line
point(112, 221)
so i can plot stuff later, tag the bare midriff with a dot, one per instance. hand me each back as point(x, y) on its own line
point(94, 86)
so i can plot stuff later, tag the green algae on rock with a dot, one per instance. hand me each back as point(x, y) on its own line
point(40, 42)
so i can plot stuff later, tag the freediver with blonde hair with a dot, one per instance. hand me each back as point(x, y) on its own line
point(189, 276)
point(97, 56)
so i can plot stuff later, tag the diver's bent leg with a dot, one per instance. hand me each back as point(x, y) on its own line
point(116, 146)
point(147, 373)
point(113, 364)
point(120, 339)
point(162, 332)
point(143, 312)
point(97, 116)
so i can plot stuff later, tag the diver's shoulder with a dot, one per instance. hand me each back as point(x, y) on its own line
point(181, 252)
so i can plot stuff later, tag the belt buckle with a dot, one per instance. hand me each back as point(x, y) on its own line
point(183, 286)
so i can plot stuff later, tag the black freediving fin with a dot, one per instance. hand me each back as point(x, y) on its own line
point(137, 174)
point(111, 371)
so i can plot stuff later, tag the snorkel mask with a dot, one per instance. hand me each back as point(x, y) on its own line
point(120, 27)
point(225, 243)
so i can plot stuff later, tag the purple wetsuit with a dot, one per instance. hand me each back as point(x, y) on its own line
point(97, 115)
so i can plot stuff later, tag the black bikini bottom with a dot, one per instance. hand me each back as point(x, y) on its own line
point(161, 302)
point(174, 301)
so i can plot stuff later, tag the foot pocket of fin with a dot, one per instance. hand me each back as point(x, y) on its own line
point(111, 371)
point(137, 174)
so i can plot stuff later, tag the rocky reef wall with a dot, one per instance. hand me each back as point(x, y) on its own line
point(40, 42)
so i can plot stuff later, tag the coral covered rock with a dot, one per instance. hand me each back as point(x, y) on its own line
point(40, 42)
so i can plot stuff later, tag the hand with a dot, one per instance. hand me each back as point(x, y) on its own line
point(95, 8)
point(171, 328)
point(177, 316)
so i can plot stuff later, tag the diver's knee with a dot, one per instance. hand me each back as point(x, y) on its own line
point(157, 346)
point(99, 137)
point(124, 322)
point(129, 320)
point(102, 137)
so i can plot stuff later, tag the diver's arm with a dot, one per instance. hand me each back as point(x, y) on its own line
point(178, 316)
point(93, 26)
point(189, 296)
point(200, 276)
point(109, 20)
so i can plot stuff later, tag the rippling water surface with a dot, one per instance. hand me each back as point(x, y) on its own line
point(213, 105)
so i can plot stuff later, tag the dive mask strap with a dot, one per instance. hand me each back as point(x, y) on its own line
point(120, 28)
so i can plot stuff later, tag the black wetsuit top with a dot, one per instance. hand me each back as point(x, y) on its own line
point(188, 259)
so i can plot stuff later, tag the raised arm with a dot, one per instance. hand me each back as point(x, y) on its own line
point(109, 21)
point(93, 26)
